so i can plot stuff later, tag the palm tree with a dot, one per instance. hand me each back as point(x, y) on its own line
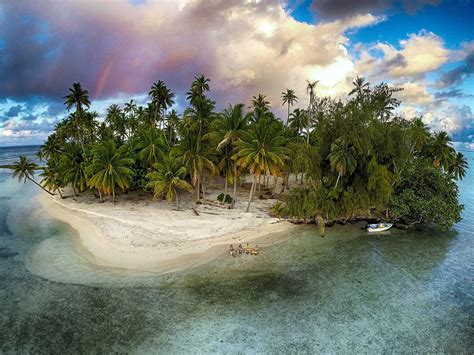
point(200, 85)
point(167, 177)
point(361, 88)
point(310, 89)
point(262, 150)
point(24, 169)
point(419, 134)
point(116, 120)
point(72, 167)
point(229, 168)
point(260, 102)
point(298, 121)
point(440, 149)
point(230, 127)
point(288, 97)
point(458, 166)
point(342, 159)
point(109, 169)
point(195, 156)
point(162, 97)
point(51, 148)
point(150, 146)
point(52, 179)
point(172, 126)
point(78, 98)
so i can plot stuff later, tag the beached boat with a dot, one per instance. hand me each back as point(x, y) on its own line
point(379, 227)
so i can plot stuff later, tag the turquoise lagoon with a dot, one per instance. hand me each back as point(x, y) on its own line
point(350, 292)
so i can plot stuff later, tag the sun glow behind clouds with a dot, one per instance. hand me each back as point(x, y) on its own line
point(332, 77)
point(267, 28)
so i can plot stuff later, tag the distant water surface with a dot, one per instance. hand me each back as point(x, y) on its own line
point(349, 292)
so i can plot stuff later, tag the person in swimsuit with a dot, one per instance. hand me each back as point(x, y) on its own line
point(231, 250)
point(247, 249)
point(240, 249)
point(255, 250)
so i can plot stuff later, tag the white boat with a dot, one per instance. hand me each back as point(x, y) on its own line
point(379, 227)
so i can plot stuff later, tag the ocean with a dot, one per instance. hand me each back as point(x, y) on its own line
point(350, 292)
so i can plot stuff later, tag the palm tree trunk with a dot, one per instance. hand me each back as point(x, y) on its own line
point(225, 186)
point(337, 181)
point(177, 199)
point(32, 180)
point(275, 181)
point(251, 193)
point(235, 185)
point(198, 186)
point(113, 195)
point(100, 195)
point(288, 118)
point(203, 189)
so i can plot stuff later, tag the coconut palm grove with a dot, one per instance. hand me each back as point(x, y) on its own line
point(349, 160)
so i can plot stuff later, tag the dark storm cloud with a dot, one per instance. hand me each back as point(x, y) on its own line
point(337, 9)
point(457, 75)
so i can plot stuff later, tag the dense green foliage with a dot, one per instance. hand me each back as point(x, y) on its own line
point(353, 158)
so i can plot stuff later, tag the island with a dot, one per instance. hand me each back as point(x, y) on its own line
point(147, 188)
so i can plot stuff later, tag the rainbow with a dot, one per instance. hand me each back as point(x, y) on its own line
point(103, 76)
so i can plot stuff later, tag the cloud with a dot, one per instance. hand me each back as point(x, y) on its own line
point(456, 76)
point(419, 54)
point(414, 93)
point(455, 93)
point(14, 111)
point(457, 121)
point(336, 9)
point(245, 47)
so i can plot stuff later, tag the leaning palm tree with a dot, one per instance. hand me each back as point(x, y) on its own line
point(24, 169)
point(342, 159)
point(52, 179)
point(458, 166)
point(288, 97)
point(77, 98)
point(229, 128)
point(262, 150)
point(168, 177)
point(110, 169)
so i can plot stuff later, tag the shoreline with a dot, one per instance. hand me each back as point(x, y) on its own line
point(99, 246)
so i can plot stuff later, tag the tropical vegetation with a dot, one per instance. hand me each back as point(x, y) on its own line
point(346, 159)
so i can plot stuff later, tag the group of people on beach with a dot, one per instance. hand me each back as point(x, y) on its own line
point(240, 250)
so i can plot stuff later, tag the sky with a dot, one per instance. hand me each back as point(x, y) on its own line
point(118, 48)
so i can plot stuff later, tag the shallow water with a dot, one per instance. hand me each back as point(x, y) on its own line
point(348, 292)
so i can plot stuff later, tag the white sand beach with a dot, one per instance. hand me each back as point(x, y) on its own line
point(139, 233)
